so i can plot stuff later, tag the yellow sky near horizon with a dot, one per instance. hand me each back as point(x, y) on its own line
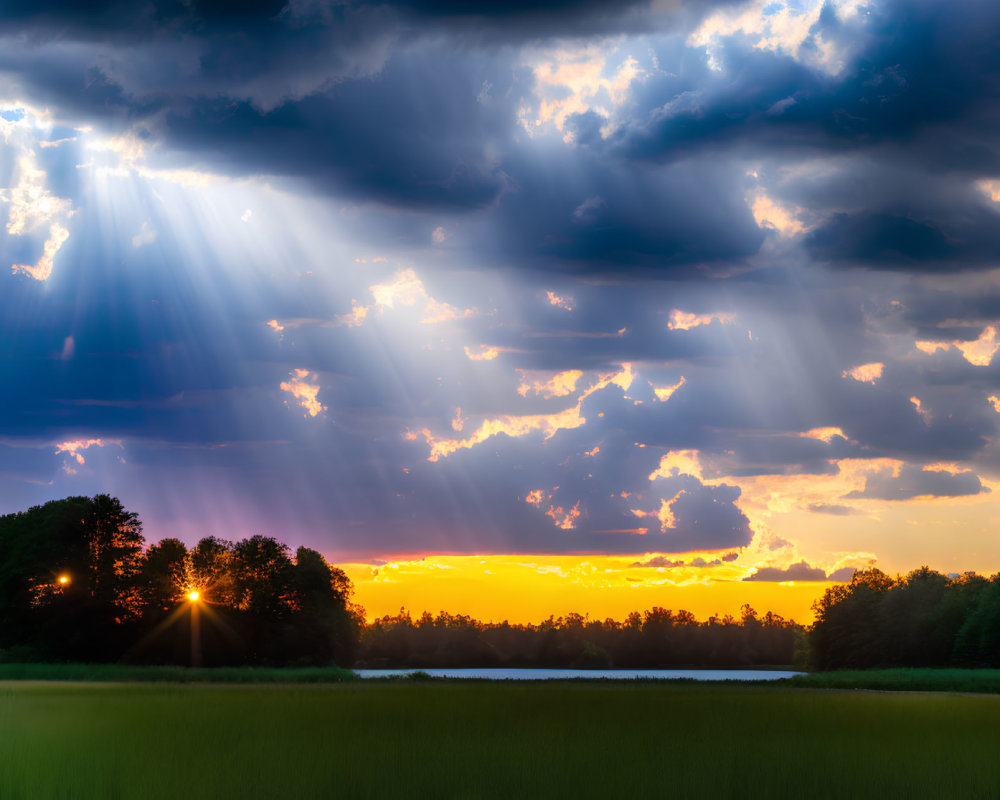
point(529, 588)
point(895, 536)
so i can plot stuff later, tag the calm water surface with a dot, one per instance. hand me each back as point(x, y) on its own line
point(593, 674)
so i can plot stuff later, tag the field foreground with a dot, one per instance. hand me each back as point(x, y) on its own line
point(490, 740)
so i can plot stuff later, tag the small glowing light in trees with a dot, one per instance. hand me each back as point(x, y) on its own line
point(194, 595)
point(63, 579)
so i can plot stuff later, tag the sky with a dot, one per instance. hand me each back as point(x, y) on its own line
point(513, 308)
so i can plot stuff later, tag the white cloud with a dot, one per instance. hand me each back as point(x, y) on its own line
point(146, 235)
point(784, 27)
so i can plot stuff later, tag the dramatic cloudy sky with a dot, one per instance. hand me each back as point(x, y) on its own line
point(628, 297)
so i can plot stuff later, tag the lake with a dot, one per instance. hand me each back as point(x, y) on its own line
point(499, 674)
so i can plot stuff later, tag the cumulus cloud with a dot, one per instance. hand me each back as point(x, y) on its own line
point(758, 207)
point(911, 481)
point(306, 393)
point(842, 575)
point(35, 211)
point(832, 508)
point(865, 373)
point(795, 572)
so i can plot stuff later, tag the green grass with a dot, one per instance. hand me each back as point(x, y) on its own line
point(985, 681)
point(490, 740)
point(122, 673)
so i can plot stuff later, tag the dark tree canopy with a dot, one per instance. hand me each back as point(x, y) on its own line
point(658, 637)
point(76, 583)
point(924, 619)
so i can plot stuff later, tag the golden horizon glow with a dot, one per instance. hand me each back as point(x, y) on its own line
point(529, 588)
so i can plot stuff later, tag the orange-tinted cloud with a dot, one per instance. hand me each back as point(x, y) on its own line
point(678, 462)
point(33, 207)
point(666, 392)
point(823, 434)
point(548, 385)
point(511, 425)
point(979, 352)
point(865, 373)
point(42, 269)
point(307, 394)
point(684, 321)
point(566, 520)
point(535, 496)
point(565, 303)
point(484, 353)
point(923, 412)
point(769, 214)
point(356, 317)
point(520, 425)
point(406, 289)
point(73, 447)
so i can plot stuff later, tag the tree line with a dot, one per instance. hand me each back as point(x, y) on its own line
point(924, 619)
point(658, 637)
point(78, 583)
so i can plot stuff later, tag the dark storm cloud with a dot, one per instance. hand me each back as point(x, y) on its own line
point(583, 214)
point(499, 21)
point(492, 21)
point(912, 481)
point(359, 136)
point(362, 100)
point(401, 115)
point(922, 70)
point(905, 218)
point(919, 95)
point(903, 243)
point(796, 572)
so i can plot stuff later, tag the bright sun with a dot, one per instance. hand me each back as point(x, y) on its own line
point(194, 595)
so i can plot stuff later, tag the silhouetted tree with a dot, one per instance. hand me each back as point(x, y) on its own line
point(76, 584)
point(261, 572)
point(164, 577)
point(658, 638)
point(845, 634)
point(323, 628)
point(211, 570)
point(68, 578)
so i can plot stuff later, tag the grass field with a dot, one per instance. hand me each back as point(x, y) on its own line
point(490, 740)
point(986, 681)
point(124, 673)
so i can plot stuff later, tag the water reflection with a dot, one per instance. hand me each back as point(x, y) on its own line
point(498, 674)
